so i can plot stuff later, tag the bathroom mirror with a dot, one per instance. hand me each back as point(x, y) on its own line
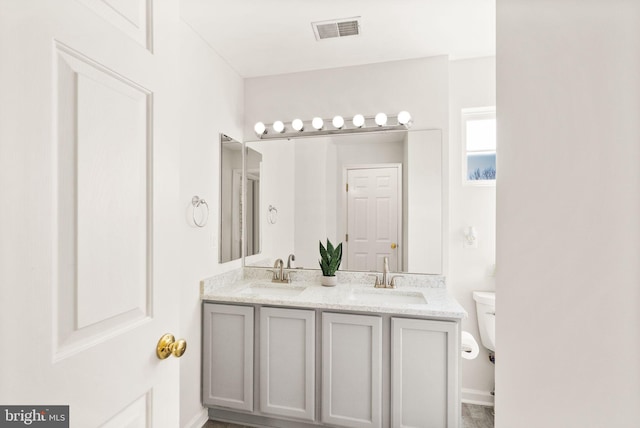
point(231, 207)
point(380, 194)
point(253, 164)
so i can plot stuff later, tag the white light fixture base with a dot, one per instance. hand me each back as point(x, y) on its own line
point(337, 125)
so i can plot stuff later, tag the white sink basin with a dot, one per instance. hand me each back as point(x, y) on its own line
point(272, 290)
point(387, 297)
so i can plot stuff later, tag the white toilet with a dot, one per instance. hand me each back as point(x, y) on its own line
point(486, 310)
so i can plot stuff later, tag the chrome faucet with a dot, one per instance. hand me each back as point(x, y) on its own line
point(385, 271)
point(386, 282)
point(287, 273)
point(277, 271)
point(292, 258)
point(279, 274)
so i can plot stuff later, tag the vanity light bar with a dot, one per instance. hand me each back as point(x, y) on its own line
point(336, 125)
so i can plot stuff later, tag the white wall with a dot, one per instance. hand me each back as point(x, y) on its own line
point(314, 207)
point(419, 86)
point(472, 84)
point(212, 102)
point(568, 235)
point(424, 202)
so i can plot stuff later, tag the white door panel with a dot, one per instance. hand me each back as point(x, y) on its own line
point(373, 217)
point(89, 214)
point(129, 16)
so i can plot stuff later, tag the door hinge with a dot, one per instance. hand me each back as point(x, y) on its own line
point(347, 187)
point(346, 237)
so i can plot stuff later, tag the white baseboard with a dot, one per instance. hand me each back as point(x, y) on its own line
point(476, 396)
point(198, 420)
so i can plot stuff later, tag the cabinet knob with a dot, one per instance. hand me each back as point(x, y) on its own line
point(168, 345)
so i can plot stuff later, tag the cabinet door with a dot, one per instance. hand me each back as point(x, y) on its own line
point(424, 373)
point(287, 362)
point(227, 356)
point(351, 370)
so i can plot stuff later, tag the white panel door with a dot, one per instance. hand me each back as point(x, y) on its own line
point(352, 370)
point(373, 218)
point(89, 183)
point(287, 362)
point(227, 356)
point(424, 374)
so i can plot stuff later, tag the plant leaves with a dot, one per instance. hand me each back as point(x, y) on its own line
point(326, 271)
point(338, 255)
point(330, 248)
point(323, 252)
point(331, 257)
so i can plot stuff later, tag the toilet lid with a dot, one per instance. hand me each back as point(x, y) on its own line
point(485, 297)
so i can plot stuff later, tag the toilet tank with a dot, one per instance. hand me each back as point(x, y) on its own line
point(486, 310)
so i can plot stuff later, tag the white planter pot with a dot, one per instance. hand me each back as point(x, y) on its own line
point(329, 281)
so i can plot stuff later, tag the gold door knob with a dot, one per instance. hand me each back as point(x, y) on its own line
point(168, 345)
point(393, 246)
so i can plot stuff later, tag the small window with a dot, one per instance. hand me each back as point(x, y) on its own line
point(479, 139)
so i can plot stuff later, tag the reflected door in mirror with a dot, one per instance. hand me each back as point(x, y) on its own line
point(373, 217)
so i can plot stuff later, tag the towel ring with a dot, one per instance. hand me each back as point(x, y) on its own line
point(197, 202)
point(272, 216)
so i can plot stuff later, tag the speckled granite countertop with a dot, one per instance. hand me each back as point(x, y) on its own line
point(417, 295)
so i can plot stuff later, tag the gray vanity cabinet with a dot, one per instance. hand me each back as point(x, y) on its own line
point(287, 362)
point(351, 370)
point(424, 373)
point(228, 356)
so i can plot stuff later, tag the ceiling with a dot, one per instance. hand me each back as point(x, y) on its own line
point(260, 37)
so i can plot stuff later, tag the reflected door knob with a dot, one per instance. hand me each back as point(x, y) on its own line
point(393, 246)
point(168, 345)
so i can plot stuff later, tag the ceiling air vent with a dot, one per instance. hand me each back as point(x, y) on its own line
point(336, 28)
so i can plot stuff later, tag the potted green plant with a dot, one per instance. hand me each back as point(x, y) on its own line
point(330, 258)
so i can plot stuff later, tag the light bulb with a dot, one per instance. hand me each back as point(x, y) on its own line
point(358, 120)
point(278, 126)
point(297, 124)
point(338, 122)
point(260, 128)
point(381, 119)
point(317, 123)
point(404, 118)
